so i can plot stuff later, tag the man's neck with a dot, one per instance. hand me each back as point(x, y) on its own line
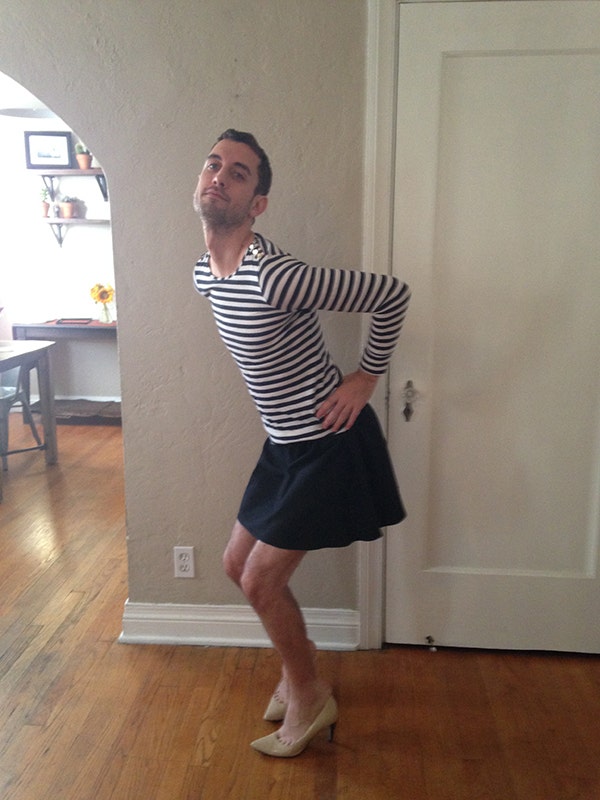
point(226, 249)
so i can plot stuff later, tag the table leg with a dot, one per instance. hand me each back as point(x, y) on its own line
point(46, 388)
point(26, 387)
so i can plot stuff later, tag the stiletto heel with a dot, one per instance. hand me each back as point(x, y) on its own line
point(332, 731)
point(273, 746)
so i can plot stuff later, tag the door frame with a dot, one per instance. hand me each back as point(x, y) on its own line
point(383, 20)
point(378, 207)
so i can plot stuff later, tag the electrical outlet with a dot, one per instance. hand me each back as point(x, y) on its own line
point(183, 559)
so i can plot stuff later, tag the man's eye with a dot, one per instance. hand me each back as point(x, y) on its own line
point(239, 176)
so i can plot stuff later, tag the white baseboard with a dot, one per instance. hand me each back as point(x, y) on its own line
point(231, 626)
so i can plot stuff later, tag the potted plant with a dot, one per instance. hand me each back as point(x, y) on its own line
point(45, 195)
point(68, 207)
point(83, 156)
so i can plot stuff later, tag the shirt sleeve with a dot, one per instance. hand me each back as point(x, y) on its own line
point(291, 285)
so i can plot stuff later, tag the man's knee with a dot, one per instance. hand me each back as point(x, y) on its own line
point(236, 553)
point(241, 573)
point(266, 574)
point(233, 569)
point(255, 588)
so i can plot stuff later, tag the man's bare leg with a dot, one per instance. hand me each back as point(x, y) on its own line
point(281, 692)
point(263, 573)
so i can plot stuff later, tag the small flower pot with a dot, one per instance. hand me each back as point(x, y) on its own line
point(67, 210)
point(84, 160)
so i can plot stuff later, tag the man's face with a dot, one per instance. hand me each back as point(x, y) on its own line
point(225, 194)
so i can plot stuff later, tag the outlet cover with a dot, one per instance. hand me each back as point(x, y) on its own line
point(183, 561)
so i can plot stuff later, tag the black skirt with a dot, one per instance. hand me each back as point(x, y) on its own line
point(326, 492)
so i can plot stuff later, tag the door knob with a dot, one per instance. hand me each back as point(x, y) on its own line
point(409, 395)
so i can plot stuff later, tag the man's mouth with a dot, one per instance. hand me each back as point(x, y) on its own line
point(213, 193)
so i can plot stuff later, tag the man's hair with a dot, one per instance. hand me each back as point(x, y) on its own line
point(264, 168)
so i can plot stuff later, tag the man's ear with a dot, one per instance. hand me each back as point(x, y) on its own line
point(259, 204)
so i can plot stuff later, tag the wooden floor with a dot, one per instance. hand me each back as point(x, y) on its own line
point(85, 718)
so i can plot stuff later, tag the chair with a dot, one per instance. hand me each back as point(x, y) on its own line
point(13, 393)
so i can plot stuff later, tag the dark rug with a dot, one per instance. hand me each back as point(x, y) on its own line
point(85, 412)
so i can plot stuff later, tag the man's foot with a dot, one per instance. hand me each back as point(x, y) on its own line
point(274, 745)
point(303, 708)
point(278, 703)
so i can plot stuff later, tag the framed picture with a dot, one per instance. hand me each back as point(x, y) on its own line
point(48, 149)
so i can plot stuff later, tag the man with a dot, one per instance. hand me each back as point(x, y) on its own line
point(324, 478)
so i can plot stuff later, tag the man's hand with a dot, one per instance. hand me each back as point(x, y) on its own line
point(343, 406)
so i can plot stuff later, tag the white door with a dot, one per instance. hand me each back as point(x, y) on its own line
point(497, 229)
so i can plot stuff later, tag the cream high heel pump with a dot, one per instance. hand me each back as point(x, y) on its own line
point(275, 710)
point(272, 745)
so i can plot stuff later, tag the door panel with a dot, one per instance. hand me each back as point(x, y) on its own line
point(496, 206)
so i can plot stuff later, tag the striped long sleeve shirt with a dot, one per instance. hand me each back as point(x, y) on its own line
point(266, 314)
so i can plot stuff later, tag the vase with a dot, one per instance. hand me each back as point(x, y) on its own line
point(105, 315)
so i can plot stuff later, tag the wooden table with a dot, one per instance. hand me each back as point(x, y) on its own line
point(35, 355)
point(55, 329)
point(89, 331)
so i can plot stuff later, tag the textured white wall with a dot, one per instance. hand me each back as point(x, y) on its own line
point(148, 86)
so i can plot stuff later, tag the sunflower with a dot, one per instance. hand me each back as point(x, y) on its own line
point(102, 294)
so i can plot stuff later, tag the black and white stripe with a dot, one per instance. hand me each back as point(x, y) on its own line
point(266, 313)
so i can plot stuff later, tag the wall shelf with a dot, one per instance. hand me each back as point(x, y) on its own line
point(51, 179)
point(58, 225)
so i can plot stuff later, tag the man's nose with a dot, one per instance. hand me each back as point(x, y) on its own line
point(218, 179)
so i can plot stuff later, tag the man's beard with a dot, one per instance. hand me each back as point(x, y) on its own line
point(219, 218)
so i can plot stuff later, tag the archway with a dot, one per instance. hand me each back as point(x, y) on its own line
point(42, 280)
